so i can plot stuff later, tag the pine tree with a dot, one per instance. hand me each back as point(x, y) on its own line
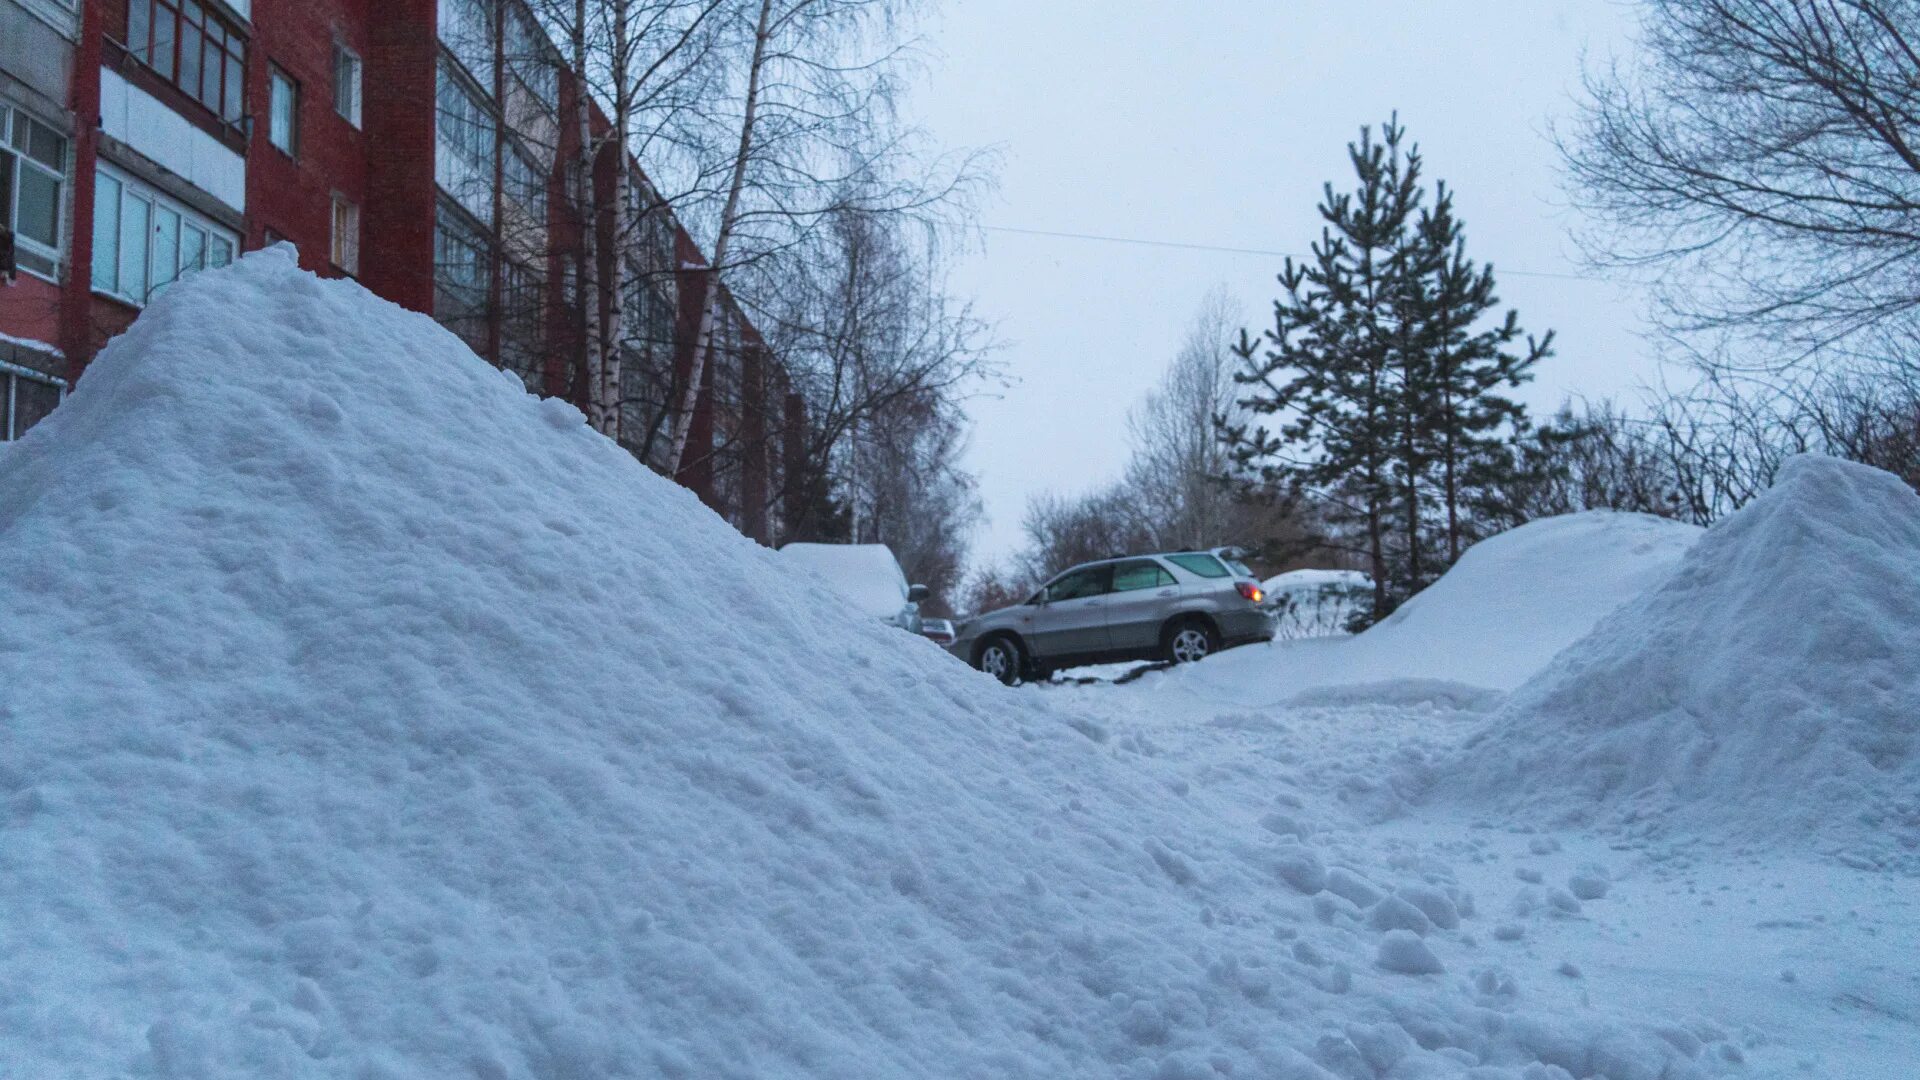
point(1386, 386)
point(1325, 368)
point(1468, 423)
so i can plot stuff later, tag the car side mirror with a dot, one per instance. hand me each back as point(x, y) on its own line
point(918, 594)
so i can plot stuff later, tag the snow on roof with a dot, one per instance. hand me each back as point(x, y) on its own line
point(1769, 688)
point(366, 716)
point(1298, 580)
point(33, 344)
point(867, 575)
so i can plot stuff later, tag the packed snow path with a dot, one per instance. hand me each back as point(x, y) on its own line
point(364, 716)
point(1799, 965)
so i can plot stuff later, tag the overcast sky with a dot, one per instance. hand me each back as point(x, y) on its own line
point(1215, 122)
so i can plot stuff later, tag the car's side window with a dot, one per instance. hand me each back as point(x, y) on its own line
point(1145, 574)
point(1080, 584)
point(1205, 566)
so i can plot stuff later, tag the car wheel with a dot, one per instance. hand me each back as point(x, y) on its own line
point(1001, 659)
point(1191, 641)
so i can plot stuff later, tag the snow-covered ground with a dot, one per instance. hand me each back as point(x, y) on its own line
point(362, 716)
point(1754, 879)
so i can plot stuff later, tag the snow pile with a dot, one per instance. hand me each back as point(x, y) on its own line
point(364, 716)
point(867, 575)
point(1769, 689)
point(1317, 603)
point(1499, 615)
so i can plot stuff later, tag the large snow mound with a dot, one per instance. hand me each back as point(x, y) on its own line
point(1769, 689)
point(866, 574)
point(1499, 615)
point(362, 716)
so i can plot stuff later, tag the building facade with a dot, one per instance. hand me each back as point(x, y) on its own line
point(430, 149)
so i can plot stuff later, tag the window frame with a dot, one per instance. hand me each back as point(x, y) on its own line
point(153, 202)
point(1103, 572)
point(17, 159)
point(1181, 560)
point(353, 83)
point(1164, 578)
point(278, 76)
point(190, 21)
point(12, 375)
point(344, 246)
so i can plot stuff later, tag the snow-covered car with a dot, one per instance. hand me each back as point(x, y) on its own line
point(867, 576)
point(1177, 606)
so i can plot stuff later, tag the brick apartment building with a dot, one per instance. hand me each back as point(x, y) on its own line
point(423, 147)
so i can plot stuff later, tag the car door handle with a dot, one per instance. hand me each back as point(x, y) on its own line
point(1166, 592)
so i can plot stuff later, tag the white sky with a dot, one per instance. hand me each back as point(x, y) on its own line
point(1216, 122)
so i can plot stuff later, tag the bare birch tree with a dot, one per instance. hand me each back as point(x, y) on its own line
point(814, 134)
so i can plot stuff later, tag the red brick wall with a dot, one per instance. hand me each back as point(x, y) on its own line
point(293, 196)
point(30, 308)
point(396, 218)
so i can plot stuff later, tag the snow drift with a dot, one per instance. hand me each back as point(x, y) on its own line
point(1769, 689)
point(1499, 615)
point(361, 715)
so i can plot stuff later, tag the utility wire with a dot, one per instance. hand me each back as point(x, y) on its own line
point(1141, 242)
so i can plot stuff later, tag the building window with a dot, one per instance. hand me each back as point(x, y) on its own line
point(530, 56)
point(525, 184)
point(33, 170)
point(195, 49)
point(462, 273)
point(466, 29)
point(144, 241)
point(467, 135)
point(346, 84)
point(26, 397)
point(283, 111)
point(346, 235)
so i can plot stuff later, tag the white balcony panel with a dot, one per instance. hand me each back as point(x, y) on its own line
point(145, 123)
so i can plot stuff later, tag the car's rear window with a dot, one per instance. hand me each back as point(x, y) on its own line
point(1205, 566)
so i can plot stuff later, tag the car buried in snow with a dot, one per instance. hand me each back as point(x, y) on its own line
point(1178, 607)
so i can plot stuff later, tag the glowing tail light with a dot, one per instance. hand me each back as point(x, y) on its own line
point(1251, 591)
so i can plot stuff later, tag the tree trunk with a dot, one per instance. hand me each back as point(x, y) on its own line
point(588, 286)
point(609, 387)
point(703, 341)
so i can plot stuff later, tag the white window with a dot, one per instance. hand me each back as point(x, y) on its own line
point(346, 235)
point(346, 84)
point(144, 241)
point(26, 397)
point(283, 111)
point(33, 171)
point(468, 138)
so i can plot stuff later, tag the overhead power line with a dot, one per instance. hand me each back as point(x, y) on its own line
point(1223, 249)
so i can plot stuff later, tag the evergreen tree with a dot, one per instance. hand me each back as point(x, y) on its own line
point(1326, 371)
point(1385, 385)
point(1469, 424)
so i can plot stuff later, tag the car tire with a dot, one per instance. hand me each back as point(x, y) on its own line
point(1002, 658)
point(1188, 641)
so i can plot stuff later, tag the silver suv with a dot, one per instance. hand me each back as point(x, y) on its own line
point(1178, 607)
